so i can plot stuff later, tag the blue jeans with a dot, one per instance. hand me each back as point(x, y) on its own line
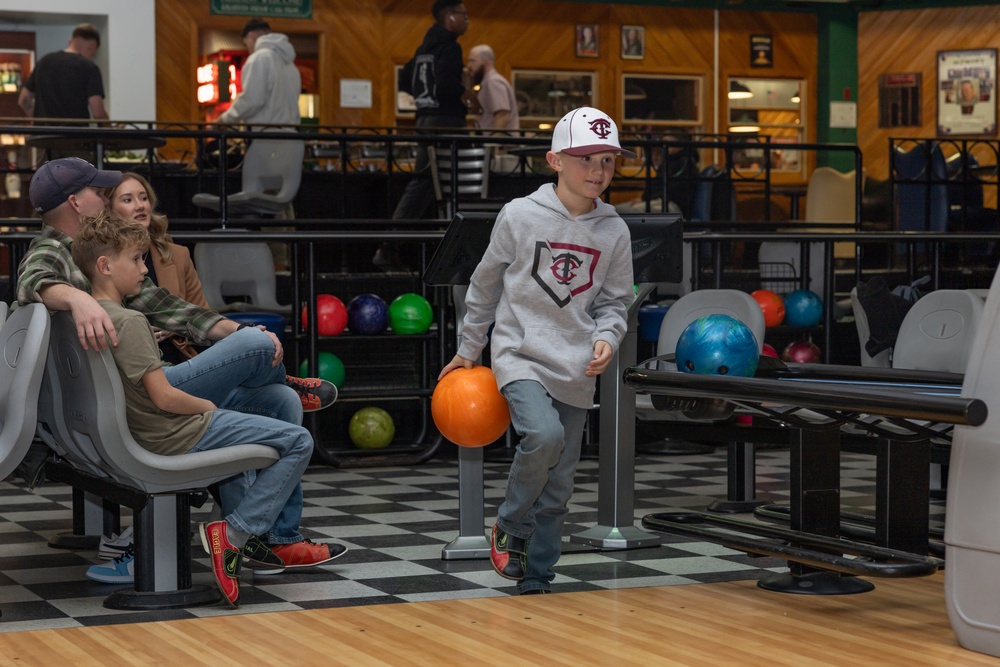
point(268, 495)
point(235, 373)
point(540, 483)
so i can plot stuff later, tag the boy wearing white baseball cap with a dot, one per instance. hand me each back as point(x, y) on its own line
point(556, 282)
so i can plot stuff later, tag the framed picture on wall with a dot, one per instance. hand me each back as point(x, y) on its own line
point(588, 40)
point(966, 92)
point(633, 42)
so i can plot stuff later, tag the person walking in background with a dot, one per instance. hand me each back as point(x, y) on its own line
point(555, 283)
point(495, 93)
point(270, 80)
point(434, 78)
point(67, 83)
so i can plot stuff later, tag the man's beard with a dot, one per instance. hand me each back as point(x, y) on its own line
point(477, 76)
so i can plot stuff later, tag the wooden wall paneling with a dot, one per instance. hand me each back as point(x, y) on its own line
point(366, 39)
point(908, 41)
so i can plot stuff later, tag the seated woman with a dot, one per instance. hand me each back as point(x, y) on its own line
point(169, 264)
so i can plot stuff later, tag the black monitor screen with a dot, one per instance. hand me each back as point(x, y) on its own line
point(460, 250)
point(657, 247)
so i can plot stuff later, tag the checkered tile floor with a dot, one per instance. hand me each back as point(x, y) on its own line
point(395, 521)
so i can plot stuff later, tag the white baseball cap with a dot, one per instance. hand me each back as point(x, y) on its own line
point(586, 131)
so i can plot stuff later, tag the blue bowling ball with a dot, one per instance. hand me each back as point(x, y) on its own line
point(803, 308)
point(717, 345)
point(367, 314)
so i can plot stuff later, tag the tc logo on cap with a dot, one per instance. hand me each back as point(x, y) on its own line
point(601, 127)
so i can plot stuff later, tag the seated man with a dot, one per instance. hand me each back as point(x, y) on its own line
point(233, 377)
point(169, 421)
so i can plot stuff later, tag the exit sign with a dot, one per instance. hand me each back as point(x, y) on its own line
point(289, 9)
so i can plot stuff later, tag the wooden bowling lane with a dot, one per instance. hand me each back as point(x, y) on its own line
point(901, 622)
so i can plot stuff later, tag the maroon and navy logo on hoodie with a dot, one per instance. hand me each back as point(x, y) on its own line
point(564, 270)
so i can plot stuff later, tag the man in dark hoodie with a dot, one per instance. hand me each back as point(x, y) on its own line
point(434, 78)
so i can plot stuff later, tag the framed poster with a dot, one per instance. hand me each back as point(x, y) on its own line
point(588, 40)
point(633, 42)
point(966, 92)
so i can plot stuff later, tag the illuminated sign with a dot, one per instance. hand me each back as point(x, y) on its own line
point(209, 83)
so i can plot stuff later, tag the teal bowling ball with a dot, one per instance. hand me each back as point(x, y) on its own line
point(410, 314)
point(717, 345)
point(371, 428)
point(331, 368)
point(803, 308)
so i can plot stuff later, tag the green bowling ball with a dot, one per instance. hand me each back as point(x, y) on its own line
point(371, 428)
point(331, 368)
point(410, 314)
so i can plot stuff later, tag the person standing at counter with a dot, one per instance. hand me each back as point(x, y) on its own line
point(271, 81)
point(495, 93)
point(67, 83)
point(434, 78)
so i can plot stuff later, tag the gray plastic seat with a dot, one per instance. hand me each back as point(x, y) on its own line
point(243, 269)
point(937, 332)
point(24, 339)
point(272, 173)
point(93, 407)
point(89, 409)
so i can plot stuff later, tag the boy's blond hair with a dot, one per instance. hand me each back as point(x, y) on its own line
point(105, 235)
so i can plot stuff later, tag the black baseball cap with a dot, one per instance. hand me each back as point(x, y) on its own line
point(56, 180)
point(255, 24)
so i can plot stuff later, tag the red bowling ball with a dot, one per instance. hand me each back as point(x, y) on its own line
point(773, 306)
point(802, 352)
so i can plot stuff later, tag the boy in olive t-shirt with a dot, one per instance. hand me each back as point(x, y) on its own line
point(166, 420)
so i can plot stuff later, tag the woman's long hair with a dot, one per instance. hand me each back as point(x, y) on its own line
point(158, 235)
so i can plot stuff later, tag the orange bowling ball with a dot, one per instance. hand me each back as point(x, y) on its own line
point(468, 409)
point(772, 305)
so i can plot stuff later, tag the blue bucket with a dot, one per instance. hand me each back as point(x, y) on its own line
point(272, 322)
point(650, 317)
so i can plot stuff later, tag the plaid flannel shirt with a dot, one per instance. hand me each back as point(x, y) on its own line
point(49, 261)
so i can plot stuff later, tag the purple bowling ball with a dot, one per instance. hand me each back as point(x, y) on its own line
point(367, 314)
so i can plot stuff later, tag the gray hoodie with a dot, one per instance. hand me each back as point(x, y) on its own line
point(554, 285)
point(271, 85)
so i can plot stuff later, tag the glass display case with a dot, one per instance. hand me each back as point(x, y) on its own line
point(544, 97)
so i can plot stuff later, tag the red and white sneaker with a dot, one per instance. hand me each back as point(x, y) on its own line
point(508, 554)
point(226, 559)
point(307, 553)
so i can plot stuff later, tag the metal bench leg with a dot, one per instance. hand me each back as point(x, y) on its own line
point(92, 517)
point(163, 559)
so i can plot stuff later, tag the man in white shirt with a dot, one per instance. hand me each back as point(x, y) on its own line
point(495, 93)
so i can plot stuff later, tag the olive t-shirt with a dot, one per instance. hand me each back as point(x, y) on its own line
point(137, 354)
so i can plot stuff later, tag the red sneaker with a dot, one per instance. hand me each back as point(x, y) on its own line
point(226, 559)
point(316, 394)
point(508, 554)
point(307, 553)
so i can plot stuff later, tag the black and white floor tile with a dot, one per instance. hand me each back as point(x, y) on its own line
point(395, 521)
